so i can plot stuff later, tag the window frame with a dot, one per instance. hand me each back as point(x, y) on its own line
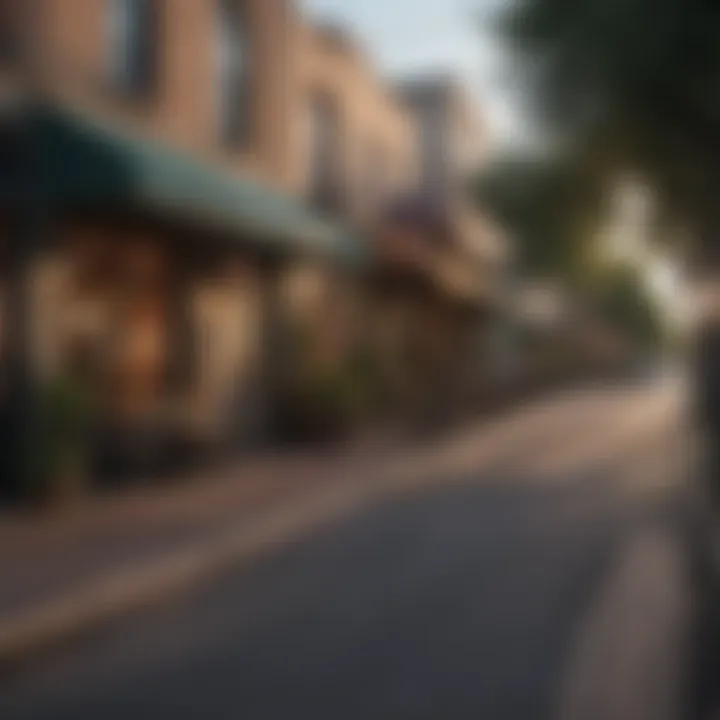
point(234, 74)
point(327, 183)
point(134, 41)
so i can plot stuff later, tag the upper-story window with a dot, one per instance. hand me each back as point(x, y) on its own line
point(133, 45)
point(233, 71)
point(325, 172)
point(376, 178)
point(10, 31)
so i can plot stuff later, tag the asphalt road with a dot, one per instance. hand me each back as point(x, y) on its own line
point(541, 576)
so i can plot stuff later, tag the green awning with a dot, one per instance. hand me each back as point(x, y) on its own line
point(86, 163)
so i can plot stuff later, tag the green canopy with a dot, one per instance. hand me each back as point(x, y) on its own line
point(84, 162)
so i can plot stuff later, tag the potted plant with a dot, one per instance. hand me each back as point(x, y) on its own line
point(66, 414)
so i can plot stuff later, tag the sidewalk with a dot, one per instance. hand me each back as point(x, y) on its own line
point(62, 573)
point(59, 573)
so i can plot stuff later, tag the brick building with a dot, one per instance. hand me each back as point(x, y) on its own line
point(150, 208)
point(185, 181)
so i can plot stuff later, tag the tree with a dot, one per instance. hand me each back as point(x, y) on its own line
point(622, 299)
point(634, 84)
point(549, 205)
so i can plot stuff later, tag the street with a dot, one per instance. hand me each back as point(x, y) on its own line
point(539, 573)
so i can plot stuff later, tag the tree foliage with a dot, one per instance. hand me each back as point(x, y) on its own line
point(550, 205)
point(622, 298)
point(635, 81)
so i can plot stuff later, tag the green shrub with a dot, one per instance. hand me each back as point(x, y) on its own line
point(327, 403)
point(65, 427)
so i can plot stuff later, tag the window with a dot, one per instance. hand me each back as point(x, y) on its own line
point(133, 45)
point(233, 73)
point(10, 31)
point(376, 178)
point(324, 155)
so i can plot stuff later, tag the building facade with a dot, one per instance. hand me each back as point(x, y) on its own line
point(356, 150)
point(214, 77)
point(157, 222)
point(346, 107)
point(464, 256)
point(209, 180)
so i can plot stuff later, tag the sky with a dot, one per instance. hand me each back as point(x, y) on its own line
point(406, 36)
